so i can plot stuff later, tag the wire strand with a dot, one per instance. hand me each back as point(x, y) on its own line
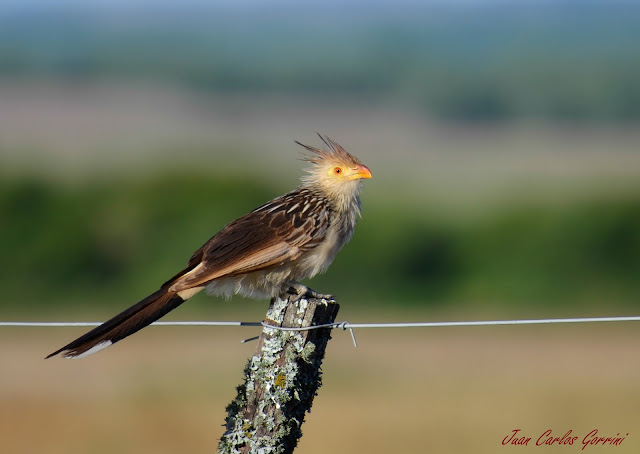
point(85, 324)
point(347, 325)
point(350, 326)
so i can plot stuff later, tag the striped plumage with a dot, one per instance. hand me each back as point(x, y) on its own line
point(261, 254)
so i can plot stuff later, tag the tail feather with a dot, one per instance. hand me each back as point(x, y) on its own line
point(122, 325)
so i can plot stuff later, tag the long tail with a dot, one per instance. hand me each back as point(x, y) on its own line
point(122, 325)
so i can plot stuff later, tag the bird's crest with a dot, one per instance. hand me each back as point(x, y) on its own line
point(333, 152)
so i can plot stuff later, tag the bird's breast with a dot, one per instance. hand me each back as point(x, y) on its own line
point(318, 259)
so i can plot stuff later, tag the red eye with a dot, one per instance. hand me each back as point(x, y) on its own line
point(337, 170)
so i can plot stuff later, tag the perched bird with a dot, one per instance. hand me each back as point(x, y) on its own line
point(263, 254)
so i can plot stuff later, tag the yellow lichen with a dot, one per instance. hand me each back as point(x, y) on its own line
point(280, 381)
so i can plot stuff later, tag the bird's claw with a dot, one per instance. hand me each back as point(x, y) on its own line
point(296, 291)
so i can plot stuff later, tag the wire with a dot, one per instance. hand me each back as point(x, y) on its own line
point(195, 323)
point(491, 322)
point(348, 325)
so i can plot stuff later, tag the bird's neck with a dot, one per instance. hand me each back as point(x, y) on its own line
point(345, 199)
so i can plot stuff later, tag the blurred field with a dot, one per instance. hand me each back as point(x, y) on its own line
point(122, 185)
point(459, 223)
point(106, 131)
point(437, 390)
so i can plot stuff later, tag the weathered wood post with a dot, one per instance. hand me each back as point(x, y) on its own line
point(281, 379)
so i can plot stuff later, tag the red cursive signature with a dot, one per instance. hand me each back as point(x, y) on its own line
point(547, 438)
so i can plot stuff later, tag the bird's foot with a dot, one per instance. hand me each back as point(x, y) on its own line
point(295, 291)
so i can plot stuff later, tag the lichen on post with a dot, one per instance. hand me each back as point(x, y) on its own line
point(281, 379)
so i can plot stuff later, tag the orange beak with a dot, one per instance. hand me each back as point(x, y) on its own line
point(361, 171)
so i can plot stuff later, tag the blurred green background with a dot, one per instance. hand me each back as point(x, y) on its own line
point(503, 137)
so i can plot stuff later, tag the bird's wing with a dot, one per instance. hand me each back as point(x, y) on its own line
point(271, 235)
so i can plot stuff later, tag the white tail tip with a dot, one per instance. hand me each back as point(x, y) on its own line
point(96, 348)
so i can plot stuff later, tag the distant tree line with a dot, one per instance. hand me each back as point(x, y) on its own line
point(555, 61)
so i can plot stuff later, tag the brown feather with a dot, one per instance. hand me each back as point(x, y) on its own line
point(125, 323)
point(271, 235)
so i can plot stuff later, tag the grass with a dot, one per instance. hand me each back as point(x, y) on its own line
point(439, 390)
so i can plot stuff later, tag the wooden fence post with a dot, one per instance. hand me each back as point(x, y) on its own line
point(281, 379)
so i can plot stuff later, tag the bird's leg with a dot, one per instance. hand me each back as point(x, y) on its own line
point(295, 291)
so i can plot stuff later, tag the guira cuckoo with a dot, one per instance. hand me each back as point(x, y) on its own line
point(263, 253)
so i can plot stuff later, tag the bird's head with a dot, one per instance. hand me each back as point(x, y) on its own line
point(334, 171)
